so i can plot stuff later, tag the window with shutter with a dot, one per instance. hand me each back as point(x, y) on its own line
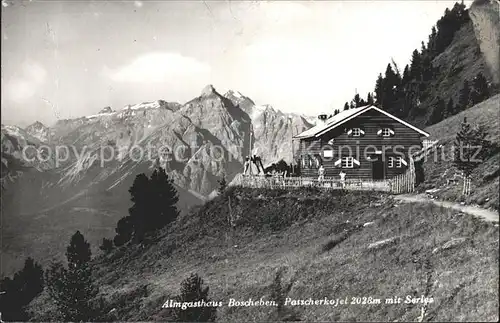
point(317, 161)
point(390, 162)
point(386, 132)
point(347, 162)
point(396, 162)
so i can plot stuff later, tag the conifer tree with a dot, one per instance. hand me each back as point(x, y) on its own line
point(437, 112)
point(416, 66)
point(379, 91)
point(357, 100)
point(154, 207)
point(480, 90)
point(369, 99)
point(471, 147)
point(78, 251)
point(346, 106)
point(107, 245)
point(18, 292)
point(72, 288)
point(192, 290)
point(463, 97)
point(450, 109)
point(164, 200)
point(124, 231)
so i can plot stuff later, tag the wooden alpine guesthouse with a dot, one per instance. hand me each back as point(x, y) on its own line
point(366, 143)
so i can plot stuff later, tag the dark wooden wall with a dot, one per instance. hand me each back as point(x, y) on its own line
point(371, 122)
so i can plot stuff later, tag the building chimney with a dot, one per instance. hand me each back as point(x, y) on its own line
point(322, 118)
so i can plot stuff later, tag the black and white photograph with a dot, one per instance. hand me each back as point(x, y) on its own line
point(250, 161)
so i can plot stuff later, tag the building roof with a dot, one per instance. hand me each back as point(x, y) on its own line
point(346, 115)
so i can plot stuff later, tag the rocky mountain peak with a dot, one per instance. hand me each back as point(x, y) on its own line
point(36, 124)
point(106, 110)
point(208, 90)
point(38, 130)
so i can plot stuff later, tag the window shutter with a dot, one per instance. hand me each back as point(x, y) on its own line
point(403, 161)
point(356, 162)
point(379, 132)
point(362, 131)
point(338, 163)
point(349, 132)
point(391, 131)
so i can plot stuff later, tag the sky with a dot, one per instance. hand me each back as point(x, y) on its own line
point(66, 59)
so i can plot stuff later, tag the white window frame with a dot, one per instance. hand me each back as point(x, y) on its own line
point(347, 162)
point(386, 132)
point(356, 132)
point(395, 162)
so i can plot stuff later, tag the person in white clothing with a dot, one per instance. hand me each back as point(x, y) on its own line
point(321, 173)
point(342, 178)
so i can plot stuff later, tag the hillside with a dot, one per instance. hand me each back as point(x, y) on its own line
point(332, 245)
point(485, 179)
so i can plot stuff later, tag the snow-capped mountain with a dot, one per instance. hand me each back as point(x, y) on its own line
point(196, 142)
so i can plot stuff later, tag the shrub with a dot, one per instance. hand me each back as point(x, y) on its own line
point(192, 290)
point(107, 245)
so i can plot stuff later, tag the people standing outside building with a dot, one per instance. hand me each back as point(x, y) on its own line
point(246, 166)
point(342, 178)
point(321, 173)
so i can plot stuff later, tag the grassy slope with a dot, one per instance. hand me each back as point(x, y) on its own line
point(485, 186)
point(39, 222)
point(464, 277)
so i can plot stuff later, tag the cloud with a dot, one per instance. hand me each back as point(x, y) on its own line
point(157, 67)
point(284, 12)
point(26, 83)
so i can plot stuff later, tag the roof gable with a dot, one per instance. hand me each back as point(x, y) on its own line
point(347, 115)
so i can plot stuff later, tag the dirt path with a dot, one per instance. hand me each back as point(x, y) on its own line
point(487, 215)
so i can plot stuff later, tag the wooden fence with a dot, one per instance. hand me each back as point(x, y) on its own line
point(327, 183)
point(403, 183)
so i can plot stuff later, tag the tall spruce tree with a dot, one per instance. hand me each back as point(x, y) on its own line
point(164, 200)
point(19, 291)
point(72, 288)
point(140, 212)
point(380, 91)
point(369, 99)
point(471, 148)
point(346, 106)
point(78, 251)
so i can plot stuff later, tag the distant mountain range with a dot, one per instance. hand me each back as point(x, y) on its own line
point(197, 143)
